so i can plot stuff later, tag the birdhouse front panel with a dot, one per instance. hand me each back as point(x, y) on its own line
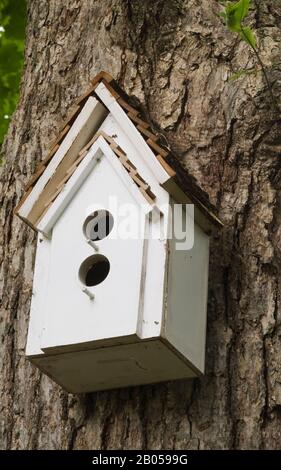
point(115, 301)
point(94, 281)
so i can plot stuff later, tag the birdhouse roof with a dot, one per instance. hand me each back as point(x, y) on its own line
point(69, 149)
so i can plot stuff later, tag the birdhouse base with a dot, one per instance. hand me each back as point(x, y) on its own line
point(143, 362)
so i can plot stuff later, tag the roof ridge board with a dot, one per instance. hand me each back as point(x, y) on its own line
point(150, 138)
point(107, 79)
point(102, 75)
point(124, 100)
point(133, 104)
point(132, 108)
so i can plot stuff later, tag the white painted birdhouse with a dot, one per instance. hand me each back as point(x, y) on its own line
point(119, 298)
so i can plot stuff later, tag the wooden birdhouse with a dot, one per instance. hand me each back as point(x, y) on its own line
point(117, 299)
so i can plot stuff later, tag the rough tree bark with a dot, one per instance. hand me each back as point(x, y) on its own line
point(176, 57)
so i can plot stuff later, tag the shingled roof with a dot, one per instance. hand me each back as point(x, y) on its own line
point(168, 160)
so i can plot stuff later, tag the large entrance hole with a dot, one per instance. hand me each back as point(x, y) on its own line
point(94, 270)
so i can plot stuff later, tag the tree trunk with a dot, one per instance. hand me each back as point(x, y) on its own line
point(176, 57)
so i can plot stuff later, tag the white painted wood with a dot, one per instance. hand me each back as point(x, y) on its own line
point(112, 127)
point(114, 367)
point(83, 128)
point(39, 295)
point(56, 209)
point(132, 132)
point(153, 278)
point(187, 289)
point(146, 322)
point(122, 173)
point(71, 316)
point(99, 148)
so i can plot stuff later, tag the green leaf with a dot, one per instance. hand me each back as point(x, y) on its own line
point(236, 75)
point(248, 36)
point(242, 73)
point(236, 13)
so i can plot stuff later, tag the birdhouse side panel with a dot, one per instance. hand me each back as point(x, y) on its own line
point(187, 290)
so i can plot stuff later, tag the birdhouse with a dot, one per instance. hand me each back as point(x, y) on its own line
point(119, 298)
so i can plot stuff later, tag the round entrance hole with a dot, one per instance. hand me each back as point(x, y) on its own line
point(94, 270)
point(98, 225)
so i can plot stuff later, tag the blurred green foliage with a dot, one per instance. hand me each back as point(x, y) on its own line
point(12, 35)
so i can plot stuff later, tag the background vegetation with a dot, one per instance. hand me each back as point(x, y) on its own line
point(12, 32)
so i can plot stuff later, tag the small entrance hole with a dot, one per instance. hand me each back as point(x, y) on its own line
point(98, 225)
